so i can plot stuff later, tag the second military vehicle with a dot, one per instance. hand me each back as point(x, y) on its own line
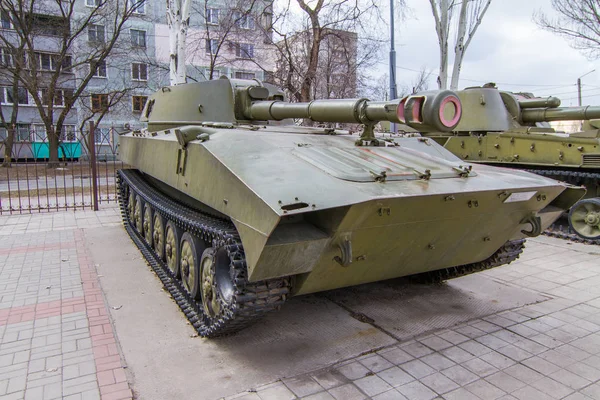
point(237, 208)
point(512, 130)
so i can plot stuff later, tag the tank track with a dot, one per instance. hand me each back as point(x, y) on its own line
point(561, 229)
point(251, 299)
point(506, 254)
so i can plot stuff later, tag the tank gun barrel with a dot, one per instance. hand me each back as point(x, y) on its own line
point(561, 114)
point(440, 109)
point(548, 102)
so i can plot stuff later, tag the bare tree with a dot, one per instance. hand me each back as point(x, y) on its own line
point(470, 15)
point(11, 65)
point(178, 19)
point(300, 43)
point(578, 21)
point(81, 39)
point(419, 84)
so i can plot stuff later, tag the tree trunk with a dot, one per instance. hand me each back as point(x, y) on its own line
point(313, 63)
point(53, 161)
point(459, 48)
point(178, 18)
point(181, 41)
point(441, 19)
point(8, 146)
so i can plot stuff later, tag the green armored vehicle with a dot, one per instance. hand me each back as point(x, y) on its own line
point(512, 129)
point(237, 209)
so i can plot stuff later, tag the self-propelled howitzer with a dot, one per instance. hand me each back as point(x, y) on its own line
point(513, 130)
point(238, 208)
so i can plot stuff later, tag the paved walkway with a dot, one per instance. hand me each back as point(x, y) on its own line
point(546, 351)
point(58, 337)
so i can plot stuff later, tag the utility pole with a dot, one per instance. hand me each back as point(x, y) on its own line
point(579, 86)
point(393, 93)
point(579, 93)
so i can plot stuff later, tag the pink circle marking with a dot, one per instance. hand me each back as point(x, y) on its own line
point(454, 100)
point(400, 110)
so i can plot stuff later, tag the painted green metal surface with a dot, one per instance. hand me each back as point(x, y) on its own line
point(298, 195)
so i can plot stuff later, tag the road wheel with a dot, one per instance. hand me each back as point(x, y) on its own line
point(584, 218)
point(172, 239)
point(190, 253)
point(147, 223)
point(216, 285)
point(131, 204)
point(138, 214)
point(158, 235)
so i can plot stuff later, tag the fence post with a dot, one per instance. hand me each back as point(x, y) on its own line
point(92, 148)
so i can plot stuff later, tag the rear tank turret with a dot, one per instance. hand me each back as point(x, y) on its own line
point(238, 208)
point(513, 129)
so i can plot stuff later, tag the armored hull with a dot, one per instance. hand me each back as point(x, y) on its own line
point(246, 213)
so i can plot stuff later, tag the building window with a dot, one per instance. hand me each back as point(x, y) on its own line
point(51, 62)
point(138, 6)
point(245, 75)
point(243, 21)
point(68, 134)
point(99, 102)
point(212, 16)
point(102, 135)
point(96, 33)
point(61, 97)
point(138, 103)
point(37, 133)
point(138, 38)
point(99, 69)
point(6, 58)
point(22, 96)
point(139, 72)
point(215, 75)
point(212, 46)
point(244, 50)
point(5, 20)
point(23, 133)
point(93, 3)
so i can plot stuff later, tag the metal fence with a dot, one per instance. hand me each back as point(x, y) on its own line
point(84, 177)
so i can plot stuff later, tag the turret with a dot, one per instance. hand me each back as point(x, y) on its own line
point(232, 101)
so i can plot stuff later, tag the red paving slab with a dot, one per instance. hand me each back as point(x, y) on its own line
point(110, 374)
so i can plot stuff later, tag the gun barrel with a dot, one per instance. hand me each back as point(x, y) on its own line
point(334, 110)
point(561, 114)
point(549, 102)
point(441, 109)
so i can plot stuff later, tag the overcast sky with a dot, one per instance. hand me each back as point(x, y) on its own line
point(508, 49)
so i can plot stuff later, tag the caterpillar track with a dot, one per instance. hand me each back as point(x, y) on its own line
point(561, 229)
point(224, 313)
point(505, 255)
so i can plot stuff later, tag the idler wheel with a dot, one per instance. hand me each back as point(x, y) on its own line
point(172, 239)
point(147, 223)
point(189, 264)
point(584, 218)
point(138, 214)
point(158, 235)
point(215, 281)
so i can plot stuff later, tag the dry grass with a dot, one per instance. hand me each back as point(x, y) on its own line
point(60, 193)
point(40, 170)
